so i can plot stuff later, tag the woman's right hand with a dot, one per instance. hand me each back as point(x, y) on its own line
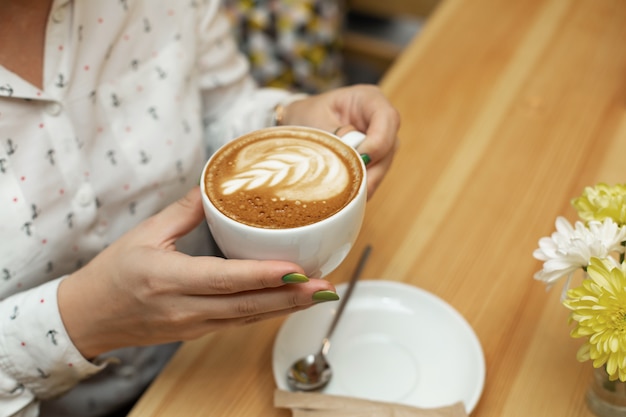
point(141, 291)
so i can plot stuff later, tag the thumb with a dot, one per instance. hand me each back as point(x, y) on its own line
point(177, 219)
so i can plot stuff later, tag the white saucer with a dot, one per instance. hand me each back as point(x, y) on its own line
point(394, 343)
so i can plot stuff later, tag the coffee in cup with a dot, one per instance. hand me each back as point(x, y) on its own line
point(286, 193)
point(283, 178)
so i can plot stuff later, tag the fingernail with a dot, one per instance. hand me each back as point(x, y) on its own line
point(325, 295)
point(366, 158)
point(295, 278)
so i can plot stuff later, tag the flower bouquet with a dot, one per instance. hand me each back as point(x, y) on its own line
point(593, 250)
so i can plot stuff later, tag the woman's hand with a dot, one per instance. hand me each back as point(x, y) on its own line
point(141, 291)
point(361, 107)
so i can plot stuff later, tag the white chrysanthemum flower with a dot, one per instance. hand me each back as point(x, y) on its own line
point(571, 248)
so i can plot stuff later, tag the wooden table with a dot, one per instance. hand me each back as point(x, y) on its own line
point(509, 109)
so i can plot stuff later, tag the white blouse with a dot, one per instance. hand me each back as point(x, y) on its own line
point(136, 95)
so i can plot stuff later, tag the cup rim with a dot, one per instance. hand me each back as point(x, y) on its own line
point(361, 192)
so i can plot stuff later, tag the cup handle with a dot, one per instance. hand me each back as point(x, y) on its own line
point(353, 138)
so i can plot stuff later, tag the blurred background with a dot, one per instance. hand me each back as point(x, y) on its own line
point(316, 45)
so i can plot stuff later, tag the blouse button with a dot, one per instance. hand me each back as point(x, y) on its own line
point(54, 109)
point(85, 196)
point(58, 15)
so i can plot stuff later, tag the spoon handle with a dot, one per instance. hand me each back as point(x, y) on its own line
point(344, 300)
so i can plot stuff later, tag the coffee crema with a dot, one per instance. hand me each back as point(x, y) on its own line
point(283, 178)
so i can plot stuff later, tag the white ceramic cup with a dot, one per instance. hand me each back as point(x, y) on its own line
point(318, 248)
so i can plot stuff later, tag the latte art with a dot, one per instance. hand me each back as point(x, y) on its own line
point(282, 178)
point(278, 165)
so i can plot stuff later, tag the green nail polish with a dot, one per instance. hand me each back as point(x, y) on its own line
point(295, 278)
point(366, 158)
point(325, 296)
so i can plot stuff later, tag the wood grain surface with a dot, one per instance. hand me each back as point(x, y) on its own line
point(509, 109)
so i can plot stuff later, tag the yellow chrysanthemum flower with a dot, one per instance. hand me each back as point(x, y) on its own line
point(599, 309)
point(602, 201)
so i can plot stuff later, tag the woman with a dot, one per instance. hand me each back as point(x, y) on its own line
point(108, 111)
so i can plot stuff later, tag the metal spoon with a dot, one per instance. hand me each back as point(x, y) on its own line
point(313, 371)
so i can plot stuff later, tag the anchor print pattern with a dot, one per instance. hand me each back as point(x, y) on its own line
point(112, 138)
point(6, 90)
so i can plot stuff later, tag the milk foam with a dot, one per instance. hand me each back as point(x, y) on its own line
point(279, 164)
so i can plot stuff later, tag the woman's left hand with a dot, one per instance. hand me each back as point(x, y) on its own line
point(360, 107)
